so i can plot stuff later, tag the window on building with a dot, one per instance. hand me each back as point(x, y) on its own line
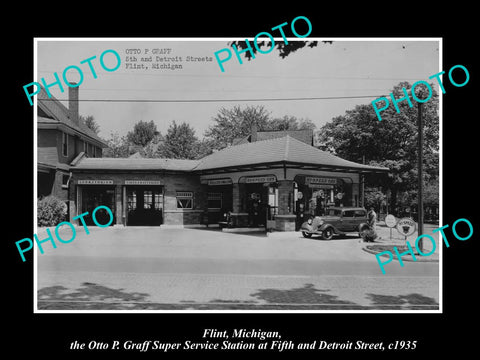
point(147, 199)
point(85, 147)
point(158, 200)
point(184, 200)
point(214, 200)
point(131, 200)
point(64, 144)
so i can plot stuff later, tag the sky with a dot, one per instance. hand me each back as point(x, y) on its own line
point(345, 68)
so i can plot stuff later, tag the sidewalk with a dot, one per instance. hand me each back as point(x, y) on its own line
point(390, 237)
point(152, 268)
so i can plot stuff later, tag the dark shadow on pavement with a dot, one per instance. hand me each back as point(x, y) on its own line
point(305, 295)
point(403, 302)
point(58, 297)
point(91, 296)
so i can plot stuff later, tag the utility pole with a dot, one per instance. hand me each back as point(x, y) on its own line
point(362, 180)
point(420, 177)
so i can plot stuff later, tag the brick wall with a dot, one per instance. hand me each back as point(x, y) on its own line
point(184, 182)
point(57, 189)
point(285, 196)
point(171, 184)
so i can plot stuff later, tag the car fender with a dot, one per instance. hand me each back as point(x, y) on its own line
point(363, 225)
point(306, 227)
point(335, 230)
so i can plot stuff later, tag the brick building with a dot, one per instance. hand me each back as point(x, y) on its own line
point(61, 137)
point(273, 176)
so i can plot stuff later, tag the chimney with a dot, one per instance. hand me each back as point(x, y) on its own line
point(253, 135)
point(73, 103)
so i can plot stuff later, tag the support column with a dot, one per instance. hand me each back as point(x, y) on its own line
point(239, 218)
point(285, 220)
point(362, 190)
point(285, 197)
point(118, 205)
point(201, 203)
point(73, 202)
point(236, 198)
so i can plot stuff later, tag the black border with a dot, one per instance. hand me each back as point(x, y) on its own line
point(51, 334)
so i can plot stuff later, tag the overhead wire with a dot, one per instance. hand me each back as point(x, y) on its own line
point(221, 100)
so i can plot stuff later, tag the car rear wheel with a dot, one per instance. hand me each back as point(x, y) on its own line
point(363, 228)
point(306, 234)
point(327, 234)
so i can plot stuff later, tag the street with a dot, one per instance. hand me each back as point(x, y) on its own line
point(151, 268)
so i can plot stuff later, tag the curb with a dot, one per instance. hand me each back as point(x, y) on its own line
point(420, 257)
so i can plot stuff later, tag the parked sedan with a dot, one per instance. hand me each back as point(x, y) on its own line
point(336, 221)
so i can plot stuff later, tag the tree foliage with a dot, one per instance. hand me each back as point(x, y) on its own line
point(90, 122)
point(283, 49)
point(237, 122)
point(358, 135)
point(118, 146)
point(231, 124)
point(143, 132)
point(180, 142)
point(290, 123)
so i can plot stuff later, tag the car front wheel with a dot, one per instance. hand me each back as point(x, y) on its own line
point(327, 234)
point(306, 234)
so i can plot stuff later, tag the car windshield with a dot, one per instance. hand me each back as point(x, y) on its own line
point(333, 212)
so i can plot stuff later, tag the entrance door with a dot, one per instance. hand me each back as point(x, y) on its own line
point(144, 205)
point(97, 195)
point(257, 201)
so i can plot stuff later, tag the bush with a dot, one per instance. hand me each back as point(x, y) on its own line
point(368, 235)
point(51, 211)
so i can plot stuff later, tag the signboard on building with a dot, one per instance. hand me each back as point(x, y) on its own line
point(94, 182)
point(260, 179)
point(314, 180)
point(143, 182)
point(320, 186)
point(216, 182)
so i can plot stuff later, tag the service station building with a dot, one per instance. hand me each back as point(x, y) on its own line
point(259, 183)
point(263, 180)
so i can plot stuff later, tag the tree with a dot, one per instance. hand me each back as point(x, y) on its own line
point(231, 124)
point(118, 147)
point(375, 198)
point(151, 150)
point(180, 142)
point(290, 123)
point(283, 49)
point(392, 142)
point(90, 122)
point(143, 132)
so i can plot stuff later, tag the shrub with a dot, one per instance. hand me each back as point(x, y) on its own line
point(51, 211)
point(368, 235)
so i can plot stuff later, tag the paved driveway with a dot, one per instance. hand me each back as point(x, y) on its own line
point(153, 268)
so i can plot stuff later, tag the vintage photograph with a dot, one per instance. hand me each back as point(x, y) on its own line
point(234, 175)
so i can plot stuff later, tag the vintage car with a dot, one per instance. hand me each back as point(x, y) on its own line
point(336, 221)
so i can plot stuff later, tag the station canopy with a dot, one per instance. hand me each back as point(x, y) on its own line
point(280, 152)
point(273, 153)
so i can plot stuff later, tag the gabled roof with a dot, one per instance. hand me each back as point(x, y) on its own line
point(286, 150)
point(56, 114)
